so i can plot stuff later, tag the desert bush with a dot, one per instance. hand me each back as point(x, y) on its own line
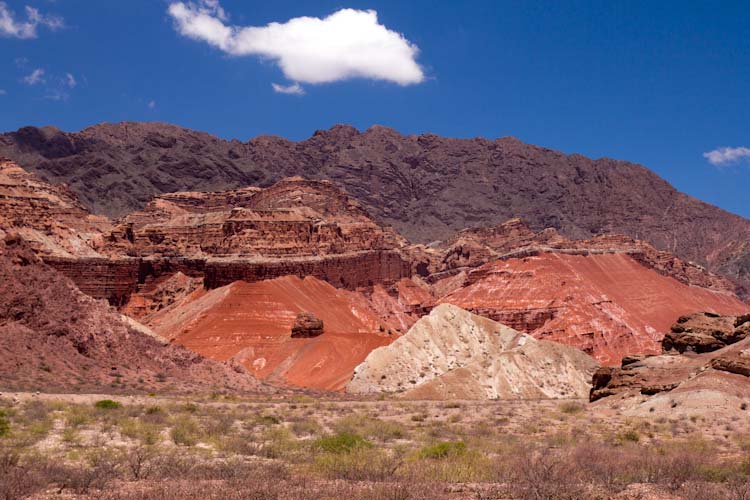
point(107, 404)
point(571, 407)
point(443, 450)
point(185, 431)
point(306, 427)
point(4, 424)
point(630, 435)
point(342, 442)
point(459, 465)
point(359, 464)
point(373, 428)
point(100, 468)
point(546, 474)
point(22, 477)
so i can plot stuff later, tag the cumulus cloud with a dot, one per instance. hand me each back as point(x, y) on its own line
point(35, 77)
point(347, 44)
point(70, 80)
point(11, 26)
point(151, 104)
point(294, 88)
point(727, 156)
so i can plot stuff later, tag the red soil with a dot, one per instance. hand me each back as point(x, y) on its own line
point(252, 322)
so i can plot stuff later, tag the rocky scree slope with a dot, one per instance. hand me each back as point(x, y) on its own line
point(427, 186)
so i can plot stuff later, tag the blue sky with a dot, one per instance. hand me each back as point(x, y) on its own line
point(658, 83)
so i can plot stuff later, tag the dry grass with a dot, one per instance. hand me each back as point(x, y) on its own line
point(218, 447)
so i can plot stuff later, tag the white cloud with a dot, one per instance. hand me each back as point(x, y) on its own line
point(347, 44)
point(151, 104)
point(727, 156)
point(10, 26)
point(35, 77)
point(70, 80)
point(295, 89)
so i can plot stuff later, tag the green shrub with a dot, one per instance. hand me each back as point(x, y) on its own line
point(362, 464)
point(443, 450)
point(185, 432)
point(343, 442)
point(630, 435)
point(4, 424)
point(571, 407)
point(370, 427)
point(107, 404)
point(154, 410)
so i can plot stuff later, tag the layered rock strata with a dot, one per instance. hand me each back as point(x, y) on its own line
point(55, 338)
point(251, 324)
point(427, 186)
point(608, 305)
point(694, 369)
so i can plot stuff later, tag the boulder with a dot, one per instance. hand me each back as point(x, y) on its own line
point(307, 325)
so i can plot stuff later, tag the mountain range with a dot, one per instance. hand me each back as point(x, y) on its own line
point(427, 187)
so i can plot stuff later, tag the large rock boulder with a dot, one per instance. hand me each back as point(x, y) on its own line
point(705, 332)
point(700, 352)
point(307, 325)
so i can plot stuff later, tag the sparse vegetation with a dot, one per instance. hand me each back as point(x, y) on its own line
point(375, 450)
point(107, 404)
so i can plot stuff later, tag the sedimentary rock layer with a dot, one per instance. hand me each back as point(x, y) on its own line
point(251, 323)
point(699, 378)
point(55, 338)
point(427, 186)
point(608, 305)
point(453, 354)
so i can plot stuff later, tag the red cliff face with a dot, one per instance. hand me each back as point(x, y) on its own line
point(49, 218)
point(607, 304)
point(296, 227)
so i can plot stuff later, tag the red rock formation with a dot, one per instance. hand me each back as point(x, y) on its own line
point(250, 323)
point(473, 247)
point(292, 218)
point(54, 338)
point(49, 218)
point(427, 186)
point(607, 304)
point(706, 375)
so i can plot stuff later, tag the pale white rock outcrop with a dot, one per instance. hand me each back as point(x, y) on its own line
point(454, 354)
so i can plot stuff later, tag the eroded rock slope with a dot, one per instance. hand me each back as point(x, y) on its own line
point(453, 354)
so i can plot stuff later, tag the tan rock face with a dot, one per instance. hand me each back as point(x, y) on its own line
point(49, 218)
point(293, 218)
point(452, 353)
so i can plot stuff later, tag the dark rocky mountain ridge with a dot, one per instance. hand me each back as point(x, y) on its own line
point(426, 186)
